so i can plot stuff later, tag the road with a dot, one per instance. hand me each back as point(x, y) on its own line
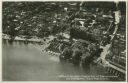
point(22, 62)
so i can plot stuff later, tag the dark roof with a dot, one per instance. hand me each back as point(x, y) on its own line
point(108, 5)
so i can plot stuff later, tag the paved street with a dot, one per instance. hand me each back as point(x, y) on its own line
point(26, 63)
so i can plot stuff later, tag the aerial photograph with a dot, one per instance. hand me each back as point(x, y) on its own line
point(64, 41)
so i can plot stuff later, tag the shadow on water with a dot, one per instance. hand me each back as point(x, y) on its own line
point(17, 42)
point(27, 63)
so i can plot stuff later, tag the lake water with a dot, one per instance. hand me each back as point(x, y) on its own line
point(24, 62)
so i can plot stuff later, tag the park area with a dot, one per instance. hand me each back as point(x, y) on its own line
point(64, 41)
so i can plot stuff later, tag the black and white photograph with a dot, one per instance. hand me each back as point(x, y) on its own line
point(64, 41)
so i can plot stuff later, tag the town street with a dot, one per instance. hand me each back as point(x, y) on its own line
point(23, 62)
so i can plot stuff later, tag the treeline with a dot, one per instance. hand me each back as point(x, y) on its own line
point(42, 19)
